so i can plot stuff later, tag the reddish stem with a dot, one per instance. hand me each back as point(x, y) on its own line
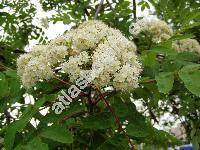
point(116, 118)
point(68, 83)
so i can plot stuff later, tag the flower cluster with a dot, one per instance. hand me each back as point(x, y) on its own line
point(159, 29)
point(37, 64)
point(94, 48)
point(190, 45)
point(107, 53)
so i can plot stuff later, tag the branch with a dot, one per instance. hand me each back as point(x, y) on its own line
point(98, 9)
point(134, 10)
point(116, 118)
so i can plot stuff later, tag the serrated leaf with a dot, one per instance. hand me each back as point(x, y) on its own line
point(57, 133)
point(190, 75)
point(165, 81)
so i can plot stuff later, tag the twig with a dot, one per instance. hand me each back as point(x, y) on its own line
point(104, 95)
point(5, 66)
point(116, 118)
point(68, 83)
point(98, 9)
point(148, 81)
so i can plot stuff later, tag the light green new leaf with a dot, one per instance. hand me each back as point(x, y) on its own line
point(57, 133)
point(165, 81)
point(190, 75)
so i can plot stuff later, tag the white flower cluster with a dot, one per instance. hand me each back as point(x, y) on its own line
point(94, 48)
point(105, 53)
point(190, 45)
point(37, 64)
point(159, 29)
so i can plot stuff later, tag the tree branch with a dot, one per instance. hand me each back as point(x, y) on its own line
point(98, 9)
point(134, 10)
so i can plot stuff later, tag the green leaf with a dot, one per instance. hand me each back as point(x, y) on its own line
point(190, 75)
point(143, 7)
point(118, 142)
point(180, 37)
point(36, 143)
point(66, 19)
point(99, 121)
point(149, 61)
point(3, 85)
point(119, 106)
point(195, 143)
point(57, 133)
point(188, 56)
point(138, 129)
point(14, 83)
point(163, 50)
point(165, 81)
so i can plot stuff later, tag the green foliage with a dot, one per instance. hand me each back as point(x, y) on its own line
point(57, 133)
point(17, 23)
point(98, 121)
point(117, 142)
point(3, 85)
point(19, 125)
point(32, 145)
point(190, 75)
point(165, 81)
